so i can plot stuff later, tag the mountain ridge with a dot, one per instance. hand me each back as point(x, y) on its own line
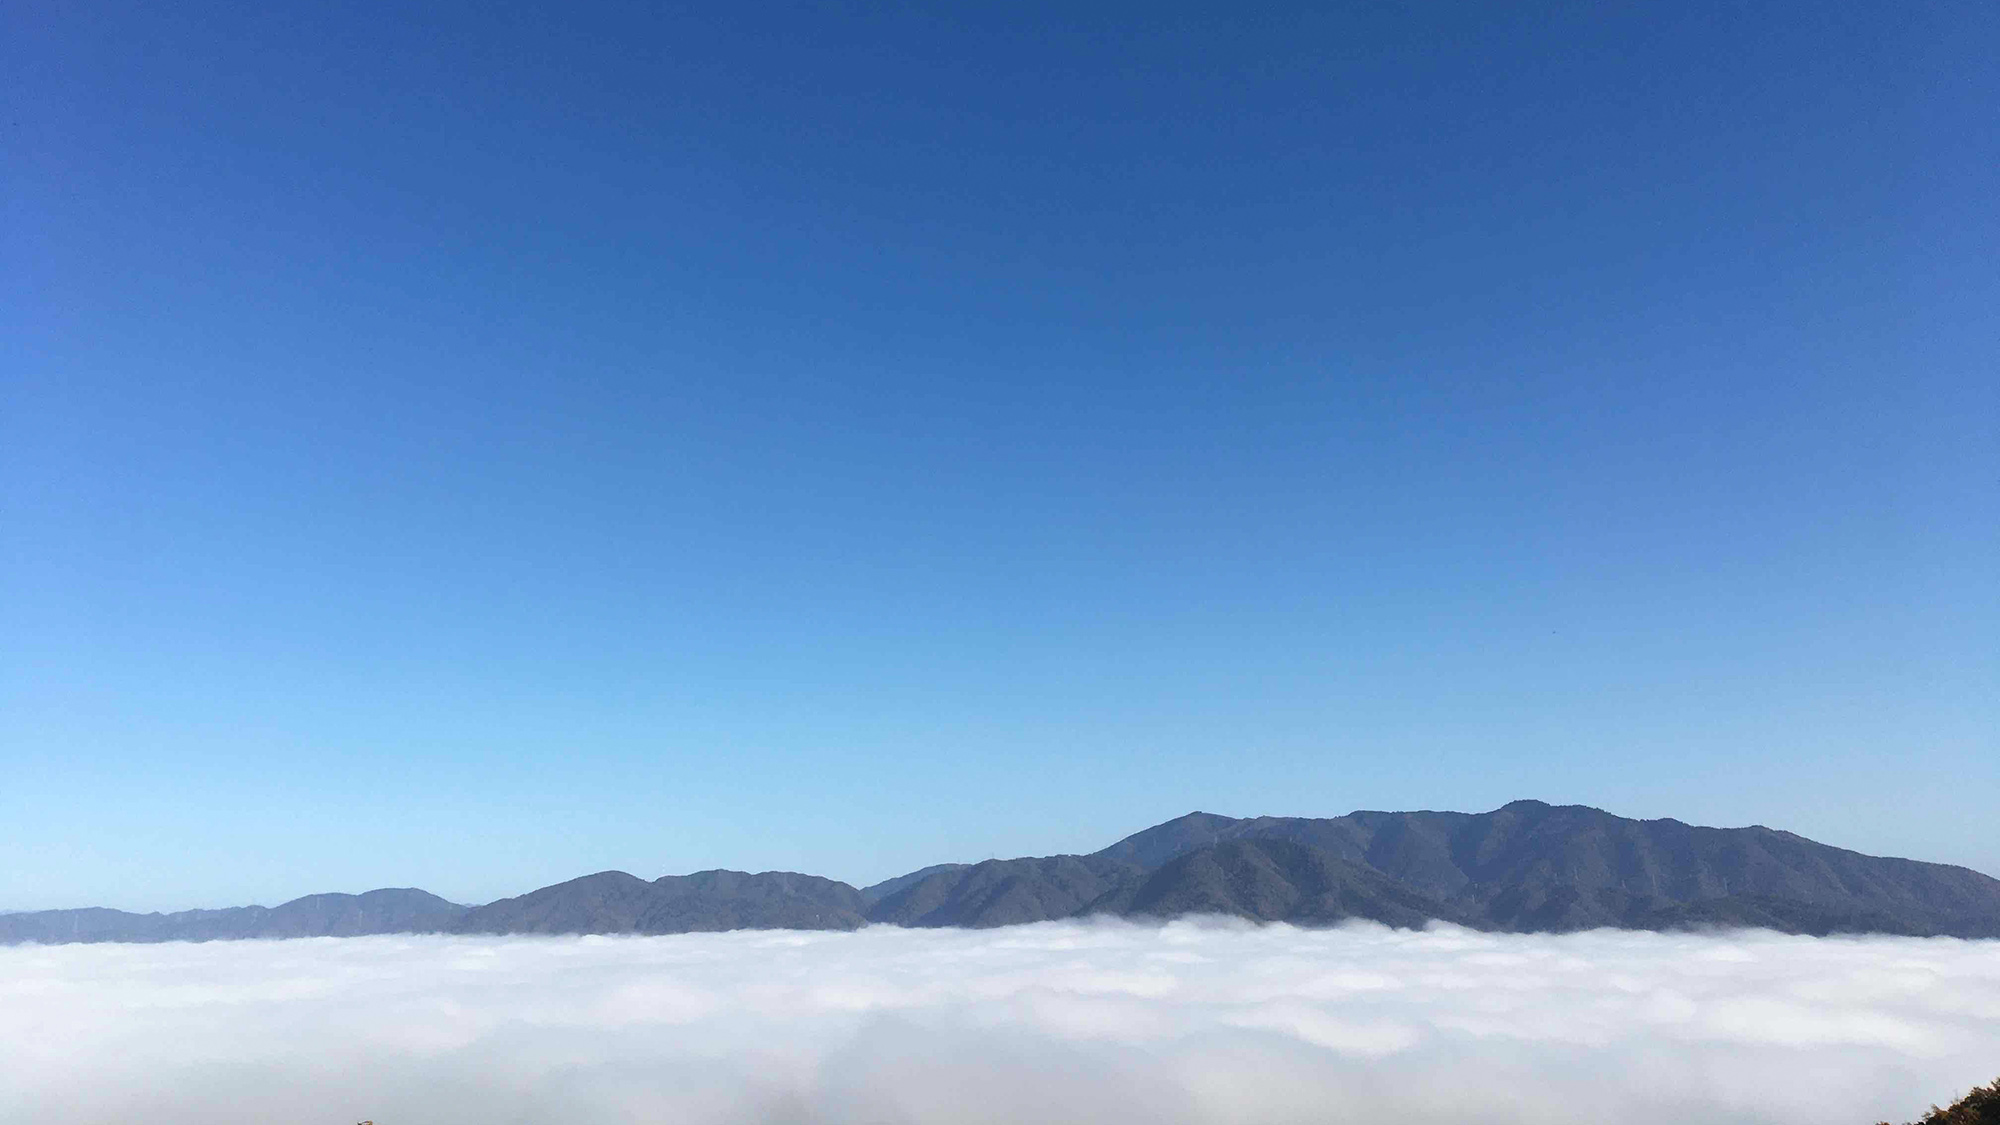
point(1528, 866)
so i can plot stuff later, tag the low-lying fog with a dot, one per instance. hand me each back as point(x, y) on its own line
point(1198, 1022)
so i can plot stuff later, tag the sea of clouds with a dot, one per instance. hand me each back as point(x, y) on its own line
point(1197, 1022)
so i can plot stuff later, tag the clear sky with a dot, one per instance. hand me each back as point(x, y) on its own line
point(473, 445)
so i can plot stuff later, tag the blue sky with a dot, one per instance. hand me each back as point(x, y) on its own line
point(474, 445)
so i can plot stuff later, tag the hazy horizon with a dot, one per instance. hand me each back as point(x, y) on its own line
point(645, 874)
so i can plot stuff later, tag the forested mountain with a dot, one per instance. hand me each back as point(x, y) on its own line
point(612, 902)
point(1527, 866)
point(396, 911)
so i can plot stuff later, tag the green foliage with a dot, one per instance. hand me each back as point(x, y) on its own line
point(1980, 1107)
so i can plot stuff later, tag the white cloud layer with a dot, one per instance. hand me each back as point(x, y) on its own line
point(1202, 1023)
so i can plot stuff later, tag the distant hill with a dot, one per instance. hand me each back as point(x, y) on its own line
point(612, 902)
point(876, 892)
point(1527, 866)
point(394, 911)
point(1273, 881)
point(1004, 892)
point(1534, 866)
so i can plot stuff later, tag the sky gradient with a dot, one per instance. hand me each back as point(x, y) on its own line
point(477, 445)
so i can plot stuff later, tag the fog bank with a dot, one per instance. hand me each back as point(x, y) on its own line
point(1194, 1022)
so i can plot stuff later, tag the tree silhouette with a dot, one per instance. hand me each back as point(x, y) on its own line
point(1980, 1107)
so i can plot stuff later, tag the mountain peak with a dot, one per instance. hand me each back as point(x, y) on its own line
point(1527, 866)
point(1162, 842)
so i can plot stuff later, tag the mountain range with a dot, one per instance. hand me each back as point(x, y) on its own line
point(1525, 867)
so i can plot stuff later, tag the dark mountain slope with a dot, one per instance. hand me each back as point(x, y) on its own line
point(390, 911)
point(609, 902)
point(1527, 866)
point(1540, 867)
point(1414, 847)
point(1154, 846)
point(613, 902)
point(89, 923)
point(1003, 892)
point(1533, 866)
point(1759, 912)
point(733, 900)
point(876, 892)
point(1272, 881)
point(403, 910)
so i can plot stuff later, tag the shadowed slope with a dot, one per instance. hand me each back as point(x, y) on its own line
point(876, 892)
point(1273, 881)
point(389, 911)
point(1527, 866)
point(1003, 892)
point(613, 902)
point(1533, 866)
